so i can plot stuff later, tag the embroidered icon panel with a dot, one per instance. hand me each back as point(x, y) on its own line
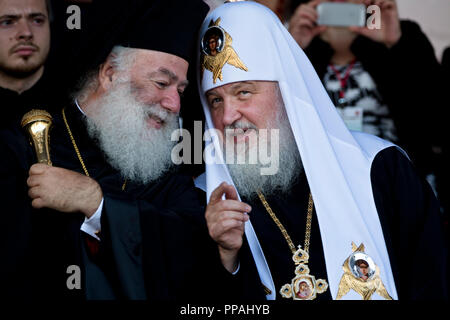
point(217, 51)
point(362, 275)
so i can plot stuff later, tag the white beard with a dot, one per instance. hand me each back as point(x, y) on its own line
point(118, 121)
point(248, 178)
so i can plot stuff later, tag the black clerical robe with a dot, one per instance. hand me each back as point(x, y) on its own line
point(44, 94)
point(409, 216)
point(38, 246)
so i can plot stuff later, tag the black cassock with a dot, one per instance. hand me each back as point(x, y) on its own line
point(409, 216)
point(38, 246)
point(42, 95)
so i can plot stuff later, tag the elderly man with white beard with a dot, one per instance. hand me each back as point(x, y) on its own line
point(110, 152)
point(339, 200)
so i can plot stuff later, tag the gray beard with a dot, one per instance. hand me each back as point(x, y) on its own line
point(248, 178)
point(118, 122)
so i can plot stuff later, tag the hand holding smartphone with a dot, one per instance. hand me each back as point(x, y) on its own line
point(303, 24)
point(313, 18)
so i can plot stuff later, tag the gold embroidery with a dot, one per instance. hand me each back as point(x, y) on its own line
point(362, 275)
point(214, 58)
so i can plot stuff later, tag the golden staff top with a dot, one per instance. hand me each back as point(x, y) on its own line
point(37, 123)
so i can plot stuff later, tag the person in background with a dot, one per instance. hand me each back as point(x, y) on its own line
point(335, 196)
point(24, 48)
point(383, 81)
point(110, 150)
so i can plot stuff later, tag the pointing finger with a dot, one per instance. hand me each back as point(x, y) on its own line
point(230, 193)
point(216, 195)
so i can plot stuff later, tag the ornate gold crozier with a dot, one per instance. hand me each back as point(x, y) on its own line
point(37, 123)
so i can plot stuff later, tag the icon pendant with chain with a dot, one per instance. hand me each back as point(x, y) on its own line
point(303, 286)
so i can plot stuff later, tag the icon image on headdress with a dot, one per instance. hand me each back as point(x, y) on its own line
point(217, 51)
point(213, 41)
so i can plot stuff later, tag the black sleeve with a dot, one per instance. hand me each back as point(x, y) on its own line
point(246, 284)
point(15, 225)
point(160, 248)
point(413, 55)
point(409, 78)
point(412, 227)
point(120, 253)
point(18, 221)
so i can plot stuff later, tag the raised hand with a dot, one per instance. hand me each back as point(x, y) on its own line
point(390, 31)
point(225, 220)
point(303, 24)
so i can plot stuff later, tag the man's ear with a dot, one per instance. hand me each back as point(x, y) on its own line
point(106, 74)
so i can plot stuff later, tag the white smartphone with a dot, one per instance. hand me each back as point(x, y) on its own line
point(341, 14)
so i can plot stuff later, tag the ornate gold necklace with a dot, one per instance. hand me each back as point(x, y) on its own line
point(303, 286)
point(77, 151)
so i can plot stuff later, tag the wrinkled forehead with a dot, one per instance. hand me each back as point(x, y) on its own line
point(145, 62)
point(267, 88)
point(245, 45)
point(22, 7)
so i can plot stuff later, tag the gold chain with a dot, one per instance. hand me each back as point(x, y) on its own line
point(300, 257)
point(77, 151)
point(308, 223)
point(74, 144)
point(282, 228)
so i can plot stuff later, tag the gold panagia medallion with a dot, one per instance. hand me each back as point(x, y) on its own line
point(217, 51)
point(303, 286)
point(362, 275)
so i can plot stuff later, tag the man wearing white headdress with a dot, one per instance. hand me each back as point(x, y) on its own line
point(327, 198)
